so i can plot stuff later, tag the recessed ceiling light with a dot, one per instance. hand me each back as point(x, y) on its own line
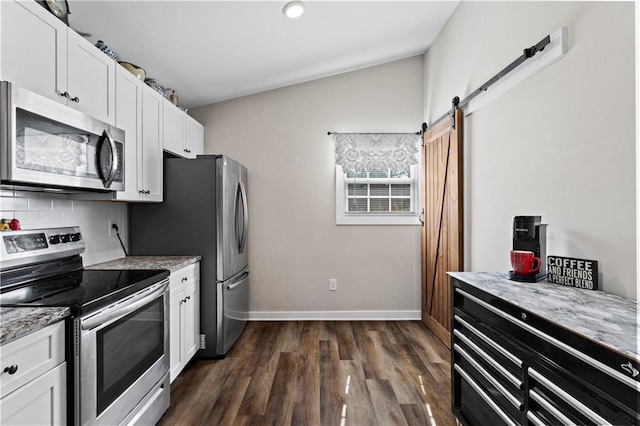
point(293, 9)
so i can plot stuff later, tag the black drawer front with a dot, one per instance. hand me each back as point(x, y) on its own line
point(472, 404)
point(508, 400)
point(556, 397)
point(538, 345)
point(484, 340)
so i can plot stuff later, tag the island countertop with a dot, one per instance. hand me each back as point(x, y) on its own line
point(605, 318)
point(172, 263)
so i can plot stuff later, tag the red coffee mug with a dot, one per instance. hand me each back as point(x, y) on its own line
point(524, 262)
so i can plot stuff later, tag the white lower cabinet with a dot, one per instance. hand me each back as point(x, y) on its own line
point(184, 317)
point(33, 383)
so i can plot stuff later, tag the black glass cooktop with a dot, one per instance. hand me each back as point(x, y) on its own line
point(81, 290)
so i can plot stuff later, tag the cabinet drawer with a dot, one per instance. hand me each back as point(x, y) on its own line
point(185, 276)
point(474, 404)
point(40, 402)
point(556, 401)
point(31, 356)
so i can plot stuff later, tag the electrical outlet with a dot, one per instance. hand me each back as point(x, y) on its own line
point(333, 284)
point(112, 232)
point(203, 344)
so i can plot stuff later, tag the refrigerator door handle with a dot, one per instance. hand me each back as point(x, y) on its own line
point(241, 280)
point(242, 238)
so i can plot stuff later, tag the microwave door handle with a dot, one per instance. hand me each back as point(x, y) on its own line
point(108, 180)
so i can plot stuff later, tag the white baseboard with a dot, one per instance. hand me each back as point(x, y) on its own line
point(333, 315)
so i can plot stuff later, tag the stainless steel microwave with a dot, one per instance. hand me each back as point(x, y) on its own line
point(46, 144)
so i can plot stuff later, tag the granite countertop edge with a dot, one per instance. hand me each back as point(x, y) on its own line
point(18, 322)
point(172, 263)
point(607, 319)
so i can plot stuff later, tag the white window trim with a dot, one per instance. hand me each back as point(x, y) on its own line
point(344, 218)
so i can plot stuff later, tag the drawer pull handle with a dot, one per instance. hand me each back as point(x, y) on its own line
point(577, 405)
point(510, 377)
point(184, 279)
point(517, 361)
point(12, 369)
point(508, 396)
point(484, 395)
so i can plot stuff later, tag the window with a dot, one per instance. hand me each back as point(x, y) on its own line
point(377, 197)
point(376, 178)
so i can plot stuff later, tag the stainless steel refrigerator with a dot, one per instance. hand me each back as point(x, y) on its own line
point(204, 212)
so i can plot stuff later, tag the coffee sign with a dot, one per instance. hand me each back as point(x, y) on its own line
point(572, 272)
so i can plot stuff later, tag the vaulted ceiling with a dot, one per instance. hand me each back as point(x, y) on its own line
point(209, 51)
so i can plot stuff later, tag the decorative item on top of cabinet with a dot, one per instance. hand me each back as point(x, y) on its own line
point(33, 379)
point(40, 53)
point(184, 314)
point(59, 8)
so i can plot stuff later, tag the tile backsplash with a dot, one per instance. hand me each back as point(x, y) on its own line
point(41, 210)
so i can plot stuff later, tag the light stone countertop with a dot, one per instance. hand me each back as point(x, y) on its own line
point(605, 318)
point(172, 263)
point(17, 322)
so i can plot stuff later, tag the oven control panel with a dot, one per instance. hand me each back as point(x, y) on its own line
point(24, 247)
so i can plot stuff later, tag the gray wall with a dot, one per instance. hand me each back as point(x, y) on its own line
point(561, 144)
point(295, 245)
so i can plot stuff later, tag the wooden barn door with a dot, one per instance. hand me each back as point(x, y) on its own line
point(442, 230)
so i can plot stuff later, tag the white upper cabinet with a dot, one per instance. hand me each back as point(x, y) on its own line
point(194, 137)
point(183, 136)
point(174, 120)
point(40, 53)
point(138, 113)
point(152, 143)
point(90, 79)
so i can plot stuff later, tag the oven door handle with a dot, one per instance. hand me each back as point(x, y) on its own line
point(124, 307)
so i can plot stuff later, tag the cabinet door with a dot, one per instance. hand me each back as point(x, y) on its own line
point(152, 143)
point(175, 335)
point(42, 401)
point(91, 79)
point(174, 120)
point(191, 329)
point(129, 118)
point(33, 48)
point(194, 138)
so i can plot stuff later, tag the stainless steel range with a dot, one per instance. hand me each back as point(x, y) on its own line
point(118, 332)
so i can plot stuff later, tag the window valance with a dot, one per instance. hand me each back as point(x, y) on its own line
point(360, 152)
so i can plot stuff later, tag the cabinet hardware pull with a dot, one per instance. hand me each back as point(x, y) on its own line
point(188, 297)
point(535, 420)
point(64, 94)
point(517, 361)
point(75, 99)
point(484, 395)
point(550, 408)
point(510, 377)
point(591, 415)
point(147, 192)
point(555, 342)
point(513, 400)
point(12, 369)
point(184, 279)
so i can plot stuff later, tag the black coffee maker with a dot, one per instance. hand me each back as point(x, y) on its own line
point(530, 235)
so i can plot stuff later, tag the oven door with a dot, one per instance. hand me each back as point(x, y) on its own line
point(47, 144)
point(124, 360)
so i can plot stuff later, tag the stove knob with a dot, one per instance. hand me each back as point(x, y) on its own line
point(54, 239)
point(76, 237)
point(65, 238)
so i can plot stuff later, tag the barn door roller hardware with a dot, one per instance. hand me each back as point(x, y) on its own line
point(527, 53)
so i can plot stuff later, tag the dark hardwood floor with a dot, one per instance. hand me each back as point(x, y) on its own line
point(319, 373)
